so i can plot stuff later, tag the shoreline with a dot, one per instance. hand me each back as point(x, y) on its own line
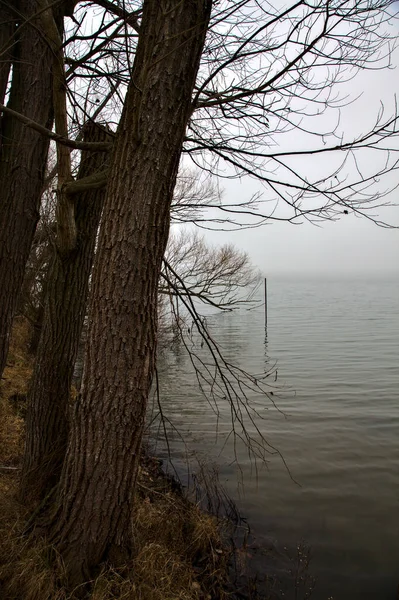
point(180, 551)
point(187, 546)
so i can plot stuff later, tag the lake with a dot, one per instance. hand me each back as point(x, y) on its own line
point(335, 344)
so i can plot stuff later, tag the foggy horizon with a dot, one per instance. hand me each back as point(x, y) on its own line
point(348, 246)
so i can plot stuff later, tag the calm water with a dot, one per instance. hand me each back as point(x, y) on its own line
point(336, 344)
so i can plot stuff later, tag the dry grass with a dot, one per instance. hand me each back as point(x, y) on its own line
point(13, 387)
point(179, 553)
point(178, 549)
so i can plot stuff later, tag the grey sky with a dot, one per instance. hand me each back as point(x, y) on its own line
point(350, 245)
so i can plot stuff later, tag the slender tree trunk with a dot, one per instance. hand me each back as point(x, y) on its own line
point(92, 518)
point(23, 156)
point(33, 292)
point(7, 29)
point(65, 308)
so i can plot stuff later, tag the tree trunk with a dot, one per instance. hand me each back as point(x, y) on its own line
point(7, 29)
point(23, 156)
point(65, 308)
point(92, 516)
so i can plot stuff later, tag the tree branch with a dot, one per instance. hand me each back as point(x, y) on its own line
point(129, 18)
point(97, 146)
point(91, 182)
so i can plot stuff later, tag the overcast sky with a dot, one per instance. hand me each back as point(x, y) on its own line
point(348, 246)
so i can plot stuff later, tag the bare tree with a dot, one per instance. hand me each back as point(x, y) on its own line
point(221, 277)
point(67, 285)
point(267, 96)
point(227, 92)
point(92, 519)
point(271, 76)
point(29, 57)
point(94, 498)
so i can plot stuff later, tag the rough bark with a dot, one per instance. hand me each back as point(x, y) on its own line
point(34, 289)
point(65, 308)
point(92, 517)
point(23, 156)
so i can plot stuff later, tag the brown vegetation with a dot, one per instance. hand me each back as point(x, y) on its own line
point(178, 553)
point(12, 392)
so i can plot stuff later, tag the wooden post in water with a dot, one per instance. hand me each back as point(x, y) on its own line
point(265, 303)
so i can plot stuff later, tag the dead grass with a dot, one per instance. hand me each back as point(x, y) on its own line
point(13, 388)
point(11, 427)
point(179, 553)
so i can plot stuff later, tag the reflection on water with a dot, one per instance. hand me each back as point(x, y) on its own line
point(337, 345)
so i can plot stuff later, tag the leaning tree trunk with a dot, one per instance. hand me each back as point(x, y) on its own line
point(93, 516)
point(65, 308)
point(23, 155)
